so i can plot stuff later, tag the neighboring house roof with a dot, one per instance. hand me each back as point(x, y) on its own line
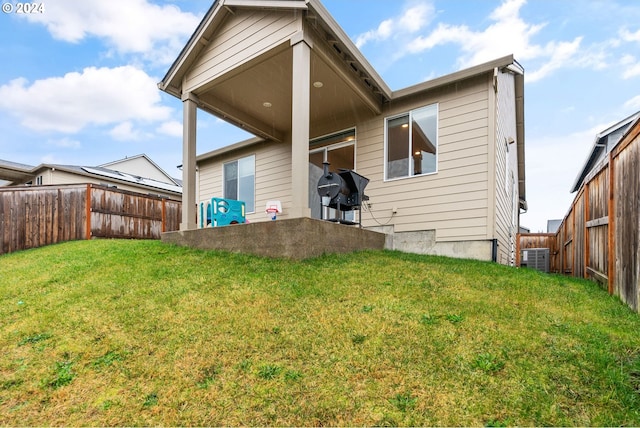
point(125, 177)
point(131, 164)
point(338, 62)
point(18, 174)
point(110, 174)
point(604, 142)
point(553, 225)
point(14, 172)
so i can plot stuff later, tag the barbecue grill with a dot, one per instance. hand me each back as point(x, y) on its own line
point(342, 191)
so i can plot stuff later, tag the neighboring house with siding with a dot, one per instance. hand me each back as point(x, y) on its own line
point(445, 158)
point(137, 174)
point(604, 142)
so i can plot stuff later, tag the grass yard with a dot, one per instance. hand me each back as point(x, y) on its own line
point(142, 333)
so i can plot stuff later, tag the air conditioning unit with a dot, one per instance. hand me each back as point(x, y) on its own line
point(535, 258)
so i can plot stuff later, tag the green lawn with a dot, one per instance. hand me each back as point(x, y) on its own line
point(142, 333)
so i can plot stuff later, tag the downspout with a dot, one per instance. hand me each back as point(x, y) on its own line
point(494, 250)
point(492, 152)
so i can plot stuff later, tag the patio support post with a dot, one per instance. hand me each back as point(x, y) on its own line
point(189, 110)
point(300, 128)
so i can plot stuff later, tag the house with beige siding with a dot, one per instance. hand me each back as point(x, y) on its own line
point(137, 174)
point(444, 158)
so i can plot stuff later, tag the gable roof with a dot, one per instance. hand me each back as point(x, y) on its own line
point(604, 142)
point(332, 46)
point(121, 165)
point(315, 11)
point(128, 178)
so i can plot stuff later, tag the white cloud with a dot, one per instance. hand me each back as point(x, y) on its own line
point(172, 128)
point(416, 17)
point(125, 132)
point(627, 60)
point(413, 19)
point(96, 96)
point(630, 66)
point(508, 34)
point(443, 34)
point(50, 159)
point(633, 103)
point(632, 71)
point(628, 36)
point(560, 54)
point(507, 11)
point(66, 143)
point(129, 26)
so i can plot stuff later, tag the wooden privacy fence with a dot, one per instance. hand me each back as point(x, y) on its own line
point(598, 238)
point(35, 216)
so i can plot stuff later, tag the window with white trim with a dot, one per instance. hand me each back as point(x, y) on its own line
point(239, 181)
point(411, 143)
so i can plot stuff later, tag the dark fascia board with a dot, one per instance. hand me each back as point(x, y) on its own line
point(351, 49)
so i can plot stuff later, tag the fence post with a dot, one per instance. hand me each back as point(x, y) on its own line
point(611, 266)
point(88, 211)
point(573, 239)
point(587, 186)
point(164, 215)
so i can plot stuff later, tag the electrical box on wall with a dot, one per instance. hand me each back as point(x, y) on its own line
point(535, 258)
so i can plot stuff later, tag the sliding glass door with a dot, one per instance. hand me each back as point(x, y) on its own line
point(337, 149)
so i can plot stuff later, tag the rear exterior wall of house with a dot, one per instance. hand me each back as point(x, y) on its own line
point(454, 201)
point(272, 176)
point(460, 208)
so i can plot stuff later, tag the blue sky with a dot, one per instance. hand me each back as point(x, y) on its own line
point(78, 81)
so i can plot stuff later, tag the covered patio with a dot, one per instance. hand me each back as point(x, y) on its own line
point(282, 70)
